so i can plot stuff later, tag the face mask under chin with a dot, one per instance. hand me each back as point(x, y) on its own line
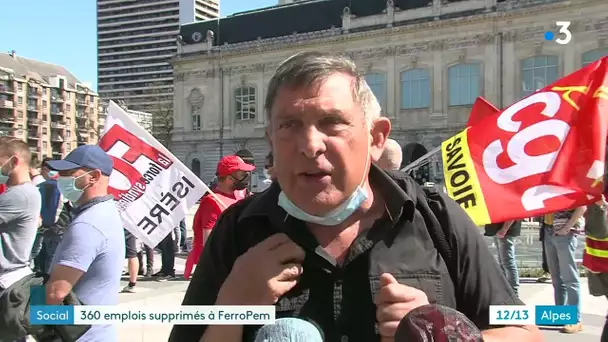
point(337, 215)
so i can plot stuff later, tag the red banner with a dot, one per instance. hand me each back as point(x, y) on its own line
point(543, 154)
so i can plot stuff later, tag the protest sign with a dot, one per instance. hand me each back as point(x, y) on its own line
point(544, 153)
point(152, 189)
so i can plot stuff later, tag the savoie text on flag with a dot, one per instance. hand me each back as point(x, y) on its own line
point(544, 153)
point(461, 179)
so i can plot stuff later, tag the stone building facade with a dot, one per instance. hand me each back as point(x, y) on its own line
point(426, 66)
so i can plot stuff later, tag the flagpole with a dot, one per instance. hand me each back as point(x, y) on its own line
point(419, 161)
point(221, 90)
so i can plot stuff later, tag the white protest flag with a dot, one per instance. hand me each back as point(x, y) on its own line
point(152, 189)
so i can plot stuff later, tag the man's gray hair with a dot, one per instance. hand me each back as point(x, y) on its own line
point(308, 68)
point(392, 156)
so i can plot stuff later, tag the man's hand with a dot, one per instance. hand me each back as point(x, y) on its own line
point(393, 302)
point(562, 232)
point(505, 229)
point(501, 233)
point(264, 273)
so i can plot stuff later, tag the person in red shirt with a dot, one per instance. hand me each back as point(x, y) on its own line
point(233, 176)
point(2, 188)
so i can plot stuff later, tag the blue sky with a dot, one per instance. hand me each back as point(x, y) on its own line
point(64, 32)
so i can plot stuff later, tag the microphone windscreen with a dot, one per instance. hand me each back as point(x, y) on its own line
point(436, 323)
point(289, 329)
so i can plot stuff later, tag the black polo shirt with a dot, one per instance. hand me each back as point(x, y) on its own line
point(339, 299)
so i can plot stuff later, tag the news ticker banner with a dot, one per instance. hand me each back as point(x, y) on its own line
point(533, 315)
point(256, 315)
point(184, 315)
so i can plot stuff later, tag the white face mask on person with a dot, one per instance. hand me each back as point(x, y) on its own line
point(4, 177)
point(68, 189)
point(337, 215)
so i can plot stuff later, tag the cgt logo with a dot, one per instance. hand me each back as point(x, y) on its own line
point(132, 149)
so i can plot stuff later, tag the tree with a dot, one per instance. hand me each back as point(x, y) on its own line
point(162, 123)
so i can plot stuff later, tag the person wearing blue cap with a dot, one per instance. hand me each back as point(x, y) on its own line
point(90, 257)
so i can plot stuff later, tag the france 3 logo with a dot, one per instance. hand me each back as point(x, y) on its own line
point(563, 36)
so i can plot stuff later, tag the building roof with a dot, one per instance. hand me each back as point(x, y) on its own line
point(284, 20)
point(39, 71)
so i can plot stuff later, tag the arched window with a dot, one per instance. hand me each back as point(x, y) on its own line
point(377, 83)
point(538, 72)
point(594, 55)
point(196, 167)
point(196, 100)
point(196, 118)
point(464, 82)
point(245, 103)
point(415, 89)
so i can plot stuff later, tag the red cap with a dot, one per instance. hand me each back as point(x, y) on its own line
point(230, 164)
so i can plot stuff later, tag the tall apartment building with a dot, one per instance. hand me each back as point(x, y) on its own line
point(47, 106)
point(135, 40)
point(142, 118)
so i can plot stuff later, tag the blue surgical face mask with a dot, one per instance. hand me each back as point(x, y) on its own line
point(3, 177)
point(67, 188)
point(335, 216)
point(52, 174)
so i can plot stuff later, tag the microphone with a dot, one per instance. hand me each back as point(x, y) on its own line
point(437, 323)
point(289, 329)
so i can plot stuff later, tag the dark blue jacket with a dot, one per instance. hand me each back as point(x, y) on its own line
point(51, 198)
point(56, 215)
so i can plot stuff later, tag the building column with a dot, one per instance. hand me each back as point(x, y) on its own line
point(511, 89)
point(491, 79)
point(225, 88)
point(569, 61)
point(261, 96)
point(437, 106)
point(179, 114)
point(391, 86)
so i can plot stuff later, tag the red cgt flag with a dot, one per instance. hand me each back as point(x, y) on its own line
point(481, 110)
point(543, 154)
point(580, 162)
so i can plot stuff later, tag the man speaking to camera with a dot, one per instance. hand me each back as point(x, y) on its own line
point(337, 241)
